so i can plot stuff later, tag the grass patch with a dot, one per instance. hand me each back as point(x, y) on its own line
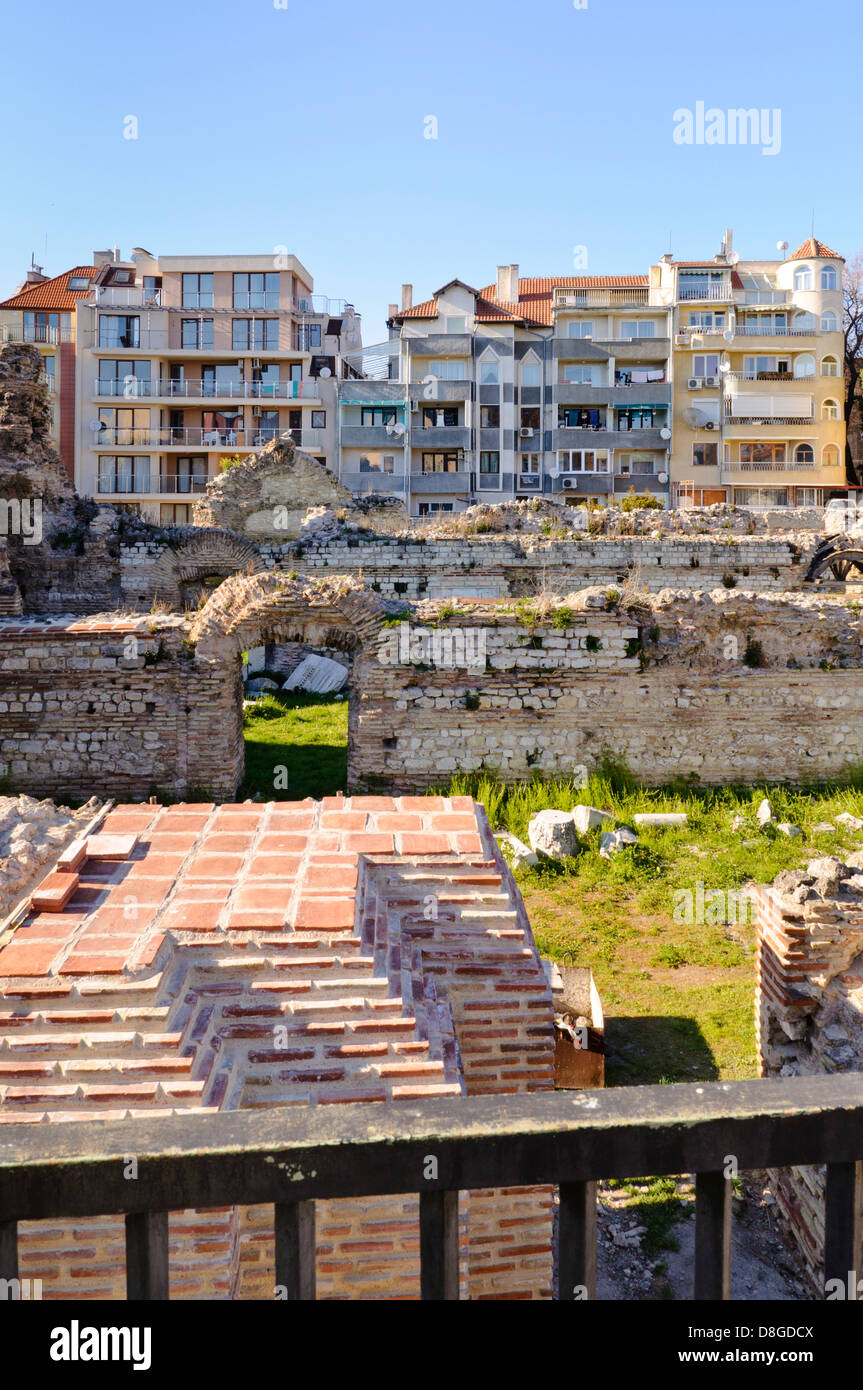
point(305, 734)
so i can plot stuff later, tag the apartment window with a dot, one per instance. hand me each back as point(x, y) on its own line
point(582, 461)
point(197, 291)
point(440, 462)
point(436, 418)
point(220, 379)
point(489, 462)
point(762, 452)
point(377, 415)
point(705, 364)
point(120, 376)
point(804, 366)
point(48, 367)
point(256, 290)
point(189, 474)
point(829, 410)
point(530, 417)
point(580, 374)
point(377, 463)
point(580, 328)
point(530, 374)
point(830, 456)
point(124, 473)
point(127, 425)
point(455, 323)
point(78, 282)
point(489, 373)
point(433, 508)
point(581, 418)
point(448, 369)
point(267, 427)
point(829, 322)
point(804, 453)
point(489, 417)
point(119, 330)
point(637, 328)
point(308, 337)
point(707, 321)
point(265, 379)
point(803, 278)
point(319, 419)
point(250, 334)
point(761, 496)
point(828, 278)
point(705, 455)
point(643, 466)
point(638, 418)
point(196, 333)
point(810, 497)
point(175, 514)
point(829, 366)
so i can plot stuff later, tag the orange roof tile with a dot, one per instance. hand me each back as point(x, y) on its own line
point(813, 247)
point(534, 298)
point(51, 294)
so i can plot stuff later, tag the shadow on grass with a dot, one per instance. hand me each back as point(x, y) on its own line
point(647, 1051)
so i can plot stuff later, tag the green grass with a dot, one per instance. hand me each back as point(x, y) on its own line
point(305, 734)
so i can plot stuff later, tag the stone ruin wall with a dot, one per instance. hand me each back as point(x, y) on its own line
point(665, 686)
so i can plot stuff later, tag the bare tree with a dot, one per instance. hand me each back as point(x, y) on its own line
point(852, 317)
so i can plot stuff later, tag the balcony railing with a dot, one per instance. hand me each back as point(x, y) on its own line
point(195, 436)
point(250, 1157)
point(306, 389)
point(124, 296)
point(771, 466)
point(34, 333)
point(124, 485)
point(707, 292)
point(256, 299)
point(632, 296)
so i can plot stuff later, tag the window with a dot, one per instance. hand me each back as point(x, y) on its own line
point(761, 496)
point(123, 377)
point(581, 418)
point(707, 320)
point(124, 473)
point(828, 277)
point(319, 419)
point(530, 374)
point(122, 277)
point(197, 291)
point(78, 282)
point(123, 425)
point(455, 323)
point(447, 369)
point(705, 364)
point(638, 418)
point(248, 334)
point(643, 466)
point(267, 427)
point(829, 366)
point(174, 514)
point(804, 453)
point(489, 417)
point(308, 337)
point(258, 290)
point(804, 365)
point(804, 323)
point(829, 322)
point(436, 417)
point(196, 333)
point(489, 372)
point(580, 374)
point(48, 366)
point(829, 410)
point(830, 456)
point(803, 278)
point(580, 328)
point(637, 328)
point(189, 474)
point(489, 462)
point(119, 330)
point(705, 455)
point(440, 462)
point(582, 461)
point(762, 452)
point(218, 379)
point(377, 415)
point(433, 508)
point(530, 417)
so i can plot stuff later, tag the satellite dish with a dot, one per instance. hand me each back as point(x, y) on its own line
point(693, 417)
point(665, 433)
point(399, 428)
point(663, 477)
point(782, 246)
point(325, 372)
point(96, 425)
point(734, 257)
point(728, 335)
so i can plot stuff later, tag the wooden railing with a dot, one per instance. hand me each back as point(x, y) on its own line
point(570, 1139)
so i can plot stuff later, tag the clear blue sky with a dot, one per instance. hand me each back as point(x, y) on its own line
point(304, 126)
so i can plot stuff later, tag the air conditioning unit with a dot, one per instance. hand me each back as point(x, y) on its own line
point(681, 339)
point(710, 424)
point(528, 480)
point(568, 483)
point(256, 411)
point(525, 433)
point(694, 383)
point(711, 381)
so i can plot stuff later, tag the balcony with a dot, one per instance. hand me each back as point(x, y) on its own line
point(441, 390)
point(120, 485)
point(586, 483)
point(124, 297)
point(35, 333)
point(251, 1158)
point(305, 390)
point(245, 300)
point(570, 393)
point(626, 297)
point(754, 408)
point(371, 437)
point(439, 345)
point(371, 480)
point(457, 480)
point(706, 293)
point(197, 437)
point(440, 437)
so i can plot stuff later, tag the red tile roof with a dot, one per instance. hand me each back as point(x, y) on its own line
point(51, 294)
point(813, 247)
point(534, 298)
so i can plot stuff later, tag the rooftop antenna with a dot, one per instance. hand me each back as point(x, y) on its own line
point(783, 247)
point(812, 233)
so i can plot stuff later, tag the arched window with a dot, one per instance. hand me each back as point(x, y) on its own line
point(828, 277)
point(829, 322)
point(829, 410)
point(804, 453)
point(829, 366)
point(803, 323)
point(530, 371)
point(830, 456)
point(804, 364)
point(803, 278)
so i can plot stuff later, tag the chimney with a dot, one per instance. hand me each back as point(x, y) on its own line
point(407, 297)
point(102, 257)
point(35, 275)
point(392, 310)
point(116, 254)
point(507, 283)
point(726, 247)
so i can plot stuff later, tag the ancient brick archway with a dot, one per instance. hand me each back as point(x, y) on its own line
point(201, 554)
point(250, 610)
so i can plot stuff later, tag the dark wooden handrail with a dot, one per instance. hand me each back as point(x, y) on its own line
point(291, 1158)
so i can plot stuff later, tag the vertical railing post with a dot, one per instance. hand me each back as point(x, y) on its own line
point(147, 1255)
point(296, 1250)
point(576, 1266)
point(712, 1236)
point(843, 1223)
point(439, 1245)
